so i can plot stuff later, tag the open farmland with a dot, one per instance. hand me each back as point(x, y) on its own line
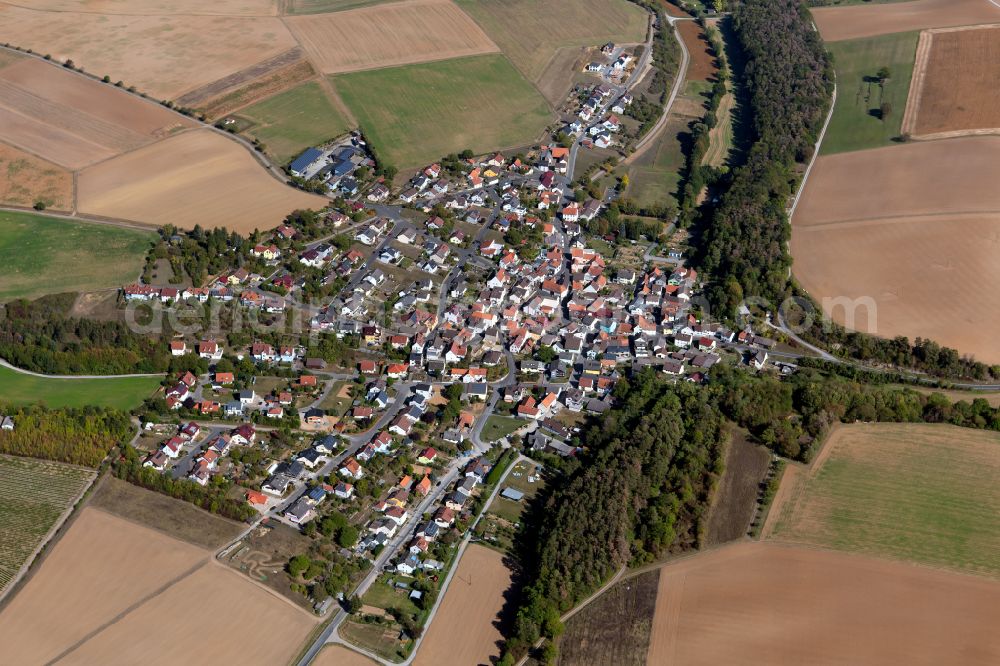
point(463, 630)
point(249, 625)
point(531, 33)
point(736, 494)
point(753, 603)
point(198, 177)
point(27, 179)
point(950, 96)
point(294, 120)
point(655, 174)
point(856, 123)
point(47, 255)
point(34, 494)
point(386, 35)
point(614, 630)
point(417, 113)
point(100, 568)
point(337, 655)
point(72, 120)
point(839, 23)
point(120, 393)
point(162, 55)
point(216, 7)
point(920, 493)
point(913, 230)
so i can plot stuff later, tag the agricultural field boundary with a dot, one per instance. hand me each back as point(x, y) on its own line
point(912, 112)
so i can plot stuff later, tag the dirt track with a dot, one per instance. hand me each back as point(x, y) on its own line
point(756, 603)
point(852, 22)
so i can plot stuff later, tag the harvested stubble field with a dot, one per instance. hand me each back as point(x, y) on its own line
point(839, 23)
point(463, 630)
point(168, 7)
point(956, 83)
point(27, 179)
point(249, 625)
point(294, 120)
point(614, 630)
point(415, 114)
point(921, 493)
point(386, 35)
point(73, 120)
point(47, 255)
point(761, 603)
point(33, 496)
point(337, 655)
point(259, 80)
point(198, 177)
point(531, 33)
point(162, 55)
point(915, 228)
point(101, 567)
point(857, 123)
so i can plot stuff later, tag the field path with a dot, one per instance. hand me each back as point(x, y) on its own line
point(7, 365)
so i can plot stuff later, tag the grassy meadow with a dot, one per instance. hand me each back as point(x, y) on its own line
point(853, 126)
point(121, 393)
point(415, 114)
point(46, 255)
point(921, 493)
point(294, 120)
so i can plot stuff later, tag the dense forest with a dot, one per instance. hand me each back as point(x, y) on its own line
point(41, 337)
point(640, 491)
point(790, 83)
point(78, 436)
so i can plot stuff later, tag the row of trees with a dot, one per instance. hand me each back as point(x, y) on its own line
point(640, 491)
point(79, 436)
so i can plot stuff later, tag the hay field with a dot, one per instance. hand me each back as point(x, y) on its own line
point(921, 493)
point(123, 393)
point(462, 631)
point(97, 570)
point(197, 177)
point(167, 7)
point(338, 655)
point(245, 623)
point(855, 125)
point(839, 23)
point(915, 228)
point(957, 83)
point(164, 56)
point(760, 603)
point(293, 120)
point(531, 33)
point(47, 255)
point(27, 179)
point(415, 114)
point(385, 35)
point(34, 494)
point(72, 120)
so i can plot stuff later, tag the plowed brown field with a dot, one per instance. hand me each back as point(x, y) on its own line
point(386, 35)
point(852, 22)
point(462, 631)
point(197, 177)
point(101, 567)
point(702, 67)
point(916, 230)
point(949, 94)
point(758, 603)
point(162, 55)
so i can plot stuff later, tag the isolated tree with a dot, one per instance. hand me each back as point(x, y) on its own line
point(883, 74)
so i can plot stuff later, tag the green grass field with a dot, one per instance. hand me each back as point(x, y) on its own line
point(47, 255)
point(294, 120)
point(125, 393)
point(500, 426)
point(33, 494)
point(322, 6)
point(531, 32)
point(655, 175)
point(853, 127)
point(417, 113)
point(922, 493)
